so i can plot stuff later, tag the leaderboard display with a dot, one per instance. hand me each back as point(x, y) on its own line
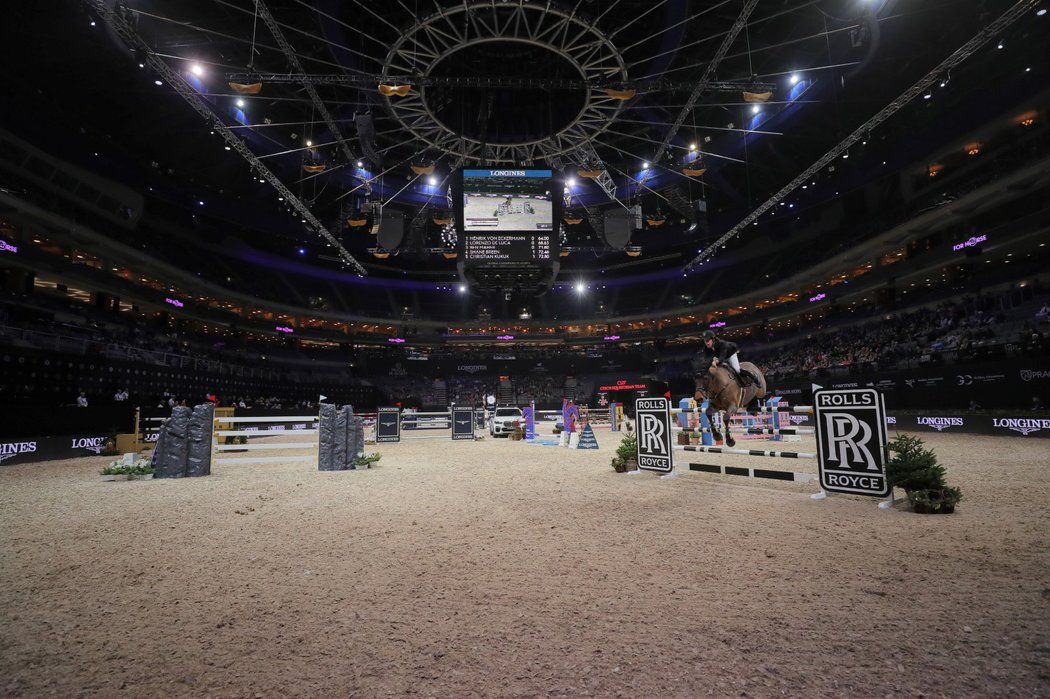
point(508, 200)
point(508, 246)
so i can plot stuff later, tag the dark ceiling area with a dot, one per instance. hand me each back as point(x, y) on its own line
point(743, 95)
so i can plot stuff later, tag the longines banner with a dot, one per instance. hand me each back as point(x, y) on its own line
point(30, 449)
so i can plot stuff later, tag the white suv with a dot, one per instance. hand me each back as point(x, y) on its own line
point(504, 421)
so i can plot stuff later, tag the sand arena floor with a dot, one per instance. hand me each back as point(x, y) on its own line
point(496, 568)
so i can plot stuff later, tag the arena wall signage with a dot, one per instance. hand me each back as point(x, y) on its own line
point(388, 425)
point(851, 434)
point(463, 423)
point(174, 302)
point(972, 242)
point(40, 448)
point(624, 385)
point(654, 434)
point(8, 247)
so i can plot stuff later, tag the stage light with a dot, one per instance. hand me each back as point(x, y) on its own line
point(240, 103)
point(1028, 70)
point(999, 45)
point(142, 65)
point(462, 288)
point(1040, 12)
point(432, 181)
point(756, 109)
point(692, 146)
point(927, 96)
point(197, 69)
point(158, 83)
point(302, 251)
point(92, 23)
point(309, 144)
point(580, 288)
point(226, 148)
point(645, 165)
point(200, 203)
point(572, 182)
point(794, 79)
point(360, 164)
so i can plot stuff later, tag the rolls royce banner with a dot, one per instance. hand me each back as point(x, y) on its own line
point(388, 425)
point(851, 441)
point(654, 434)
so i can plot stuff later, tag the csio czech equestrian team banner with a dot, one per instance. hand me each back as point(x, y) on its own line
point(851, 441)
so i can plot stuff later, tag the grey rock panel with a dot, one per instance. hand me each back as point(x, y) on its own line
point(169, 457)
point(201, 426)
point(326, 437)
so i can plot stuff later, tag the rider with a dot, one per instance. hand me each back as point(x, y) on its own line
point(720, 351)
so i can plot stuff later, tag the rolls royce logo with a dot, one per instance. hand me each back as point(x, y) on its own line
point(92, 444)
point(1024, 425)
point(1034, 375)
point(10, 449)
point(939, 423)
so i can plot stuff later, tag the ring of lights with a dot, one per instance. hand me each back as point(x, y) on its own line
point(422, 47)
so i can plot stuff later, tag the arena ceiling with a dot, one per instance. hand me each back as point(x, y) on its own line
point(748, 92)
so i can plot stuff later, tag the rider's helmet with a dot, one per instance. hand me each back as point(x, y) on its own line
point(709, 335)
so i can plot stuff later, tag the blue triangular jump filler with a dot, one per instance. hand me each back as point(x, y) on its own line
point(587, 439)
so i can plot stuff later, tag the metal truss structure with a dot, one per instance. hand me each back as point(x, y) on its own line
point(1015, 12)
point(118, 19)
point(307, 82)
point(429, 41)
point(500, 82)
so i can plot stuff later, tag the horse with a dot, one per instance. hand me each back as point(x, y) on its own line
point(723, 393)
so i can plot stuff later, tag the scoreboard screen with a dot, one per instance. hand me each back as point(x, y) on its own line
point(508, 246)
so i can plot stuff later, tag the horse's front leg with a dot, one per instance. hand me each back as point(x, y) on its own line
point(730, 442)
point(716, 434)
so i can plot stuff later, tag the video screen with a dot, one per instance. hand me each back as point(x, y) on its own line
point(508, 200)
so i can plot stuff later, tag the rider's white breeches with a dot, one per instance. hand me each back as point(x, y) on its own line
point(734, 362)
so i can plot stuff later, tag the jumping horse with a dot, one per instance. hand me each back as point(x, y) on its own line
point(718, 385)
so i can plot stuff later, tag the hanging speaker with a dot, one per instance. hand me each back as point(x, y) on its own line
point(619, 223)
point(391, 229)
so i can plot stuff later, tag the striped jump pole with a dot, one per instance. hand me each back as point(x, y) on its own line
point(749, 452)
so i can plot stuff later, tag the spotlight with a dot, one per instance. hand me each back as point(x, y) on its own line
point(999, 45)
point(240, 103)
point(794, 79)
point(1028, 70)
point(302, 251)
point(756, 109)
point(309, 144)
point(200, 203)
point(360, 164)
point(158, 83)
point(645, 165)
point(572, 182)
point(142, 65)
point(92, 23)
point(580, 288)
point(432, 181)
point(197, 69)
point(692, 146)
point(226, 147)
point(1040, 12)
point(462, 288)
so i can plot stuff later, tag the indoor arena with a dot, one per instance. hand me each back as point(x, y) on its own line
point(473, 348)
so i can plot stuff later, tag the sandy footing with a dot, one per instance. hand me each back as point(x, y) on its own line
point(498, 568)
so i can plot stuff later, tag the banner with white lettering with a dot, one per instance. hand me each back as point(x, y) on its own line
point(851, 441)
point(654, 434)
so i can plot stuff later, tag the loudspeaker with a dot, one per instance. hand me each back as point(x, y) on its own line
point(618, 226)
point(391, 229)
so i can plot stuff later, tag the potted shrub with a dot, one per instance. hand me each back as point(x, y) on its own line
point(915, 469)
point(116, 471)
point(519, 433)
point(626, 458)
point(366, 460)
point(683, 438)
point(141, 470)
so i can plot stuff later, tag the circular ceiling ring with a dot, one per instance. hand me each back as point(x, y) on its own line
point(578, 42)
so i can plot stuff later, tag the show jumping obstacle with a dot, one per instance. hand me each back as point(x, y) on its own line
point(848, 444)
